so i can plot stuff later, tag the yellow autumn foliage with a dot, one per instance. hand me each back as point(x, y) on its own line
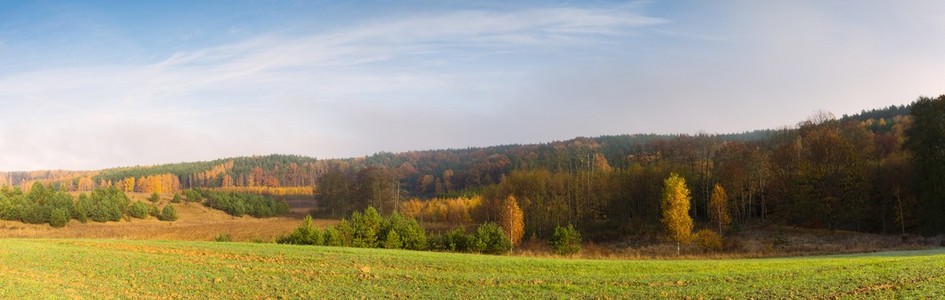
point(512, 220)
point(675, 206)
point(718, 208)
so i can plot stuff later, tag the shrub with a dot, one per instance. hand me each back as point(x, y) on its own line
point(34, 214)
point(368, 230)
point(392, 241)
point(412, 236)
point(168, 213)
point(365, 228)
point(305, 234)
point(38, 192)
point(193, 196)
point(780, 241)
point(239, 204)
point(82, 207)
point(176, 198)
point(138, 210)
point(457, 240)
point(58, 217)
point(155, 197)
point(7, 210)
point(61, 200)
point(224, 237)
point(154, 211)
point(332, 237)
point(491, 239)
point(107, 204)
point(732, 243)
point(435, 242)
point(51, 205)
point(345, 232)
point(708, 240)
point(565, 240)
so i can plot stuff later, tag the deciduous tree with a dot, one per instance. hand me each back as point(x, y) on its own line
point(926, 139)
point(675, 205)
point(718, 208)
point(512, 220)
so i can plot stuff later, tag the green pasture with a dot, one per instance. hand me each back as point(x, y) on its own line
point(77, 268)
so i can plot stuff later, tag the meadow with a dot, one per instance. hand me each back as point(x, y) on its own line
point(105, 268)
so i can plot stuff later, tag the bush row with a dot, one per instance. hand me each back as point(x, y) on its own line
point(239, 204)
point(55, 207)
point(364, 230)
point(565, 240)
point(489, 238)
point(370, 230)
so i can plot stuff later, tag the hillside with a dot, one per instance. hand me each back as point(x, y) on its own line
point(851, 173)
point(195, 222)
point(85, 268)
point(471, 168)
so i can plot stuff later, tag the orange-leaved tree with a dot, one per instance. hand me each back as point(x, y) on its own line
point(512, 220)
point(675, 206)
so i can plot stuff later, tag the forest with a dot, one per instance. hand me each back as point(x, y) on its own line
point(852, 173)
point(877, 171)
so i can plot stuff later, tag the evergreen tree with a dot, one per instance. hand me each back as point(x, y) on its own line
point(168, 213)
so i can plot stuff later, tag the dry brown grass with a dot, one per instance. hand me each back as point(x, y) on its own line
point(195, 222)
point(757, 242)
point(765, 241)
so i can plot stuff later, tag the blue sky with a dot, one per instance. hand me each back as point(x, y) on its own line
point(95, 84)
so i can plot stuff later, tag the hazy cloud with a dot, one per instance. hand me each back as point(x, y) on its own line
point(344, 92)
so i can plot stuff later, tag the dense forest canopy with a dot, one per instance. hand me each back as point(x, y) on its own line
point(876, 171)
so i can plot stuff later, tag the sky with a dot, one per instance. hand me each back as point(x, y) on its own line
point(95, 84)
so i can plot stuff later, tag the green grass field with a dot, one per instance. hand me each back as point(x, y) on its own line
point(75, 268)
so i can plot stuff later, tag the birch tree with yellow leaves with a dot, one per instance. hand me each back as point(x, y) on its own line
point(675, 207)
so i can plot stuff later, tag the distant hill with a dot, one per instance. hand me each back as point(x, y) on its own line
point(880, 113)
point(426, 173)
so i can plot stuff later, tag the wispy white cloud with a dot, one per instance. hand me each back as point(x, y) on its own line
point(289, 93)
point(461, 78)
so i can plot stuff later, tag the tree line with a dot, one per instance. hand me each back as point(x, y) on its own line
point(395, 231)
point(239, 204)
point(854, 173)
point(867, 172)
point(55, 207)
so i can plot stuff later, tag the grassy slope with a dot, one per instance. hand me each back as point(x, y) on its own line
point(196, 222)
point(31, 268)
